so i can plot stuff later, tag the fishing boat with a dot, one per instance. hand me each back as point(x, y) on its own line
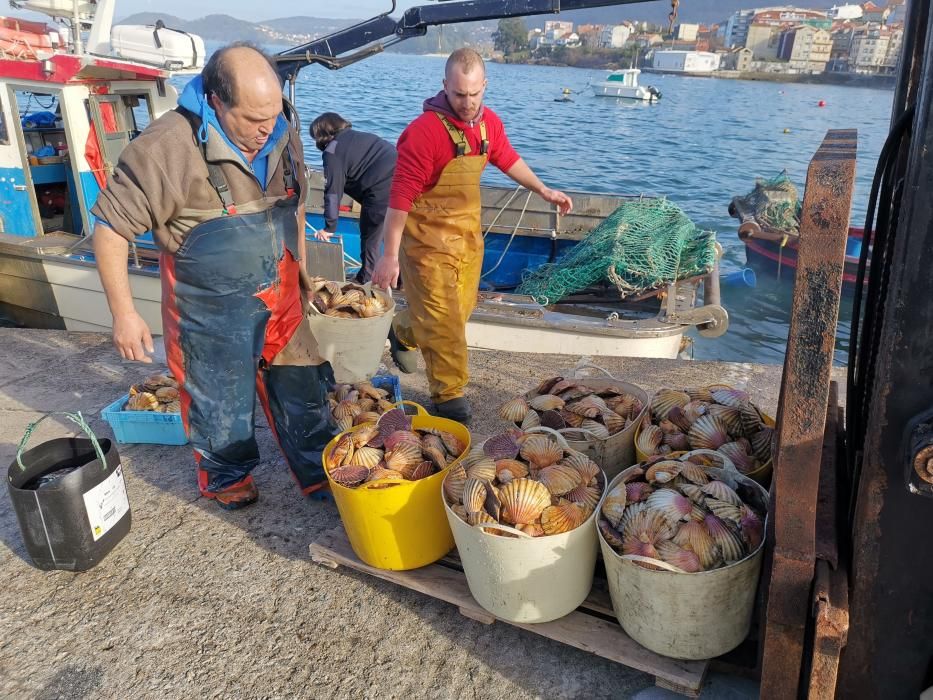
point(69, 106)
point(624, 83)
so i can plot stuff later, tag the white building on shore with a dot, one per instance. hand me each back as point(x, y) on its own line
point(696, 62)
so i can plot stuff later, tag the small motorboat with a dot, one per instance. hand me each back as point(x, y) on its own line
point(624, 83)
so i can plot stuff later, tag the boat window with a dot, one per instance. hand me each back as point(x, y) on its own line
point(117, 119)
point(4, 134)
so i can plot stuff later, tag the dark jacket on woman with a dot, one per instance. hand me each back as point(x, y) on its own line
point(360, 165)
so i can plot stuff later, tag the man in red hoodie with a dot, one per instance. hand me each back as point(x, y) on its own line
point(433, 231)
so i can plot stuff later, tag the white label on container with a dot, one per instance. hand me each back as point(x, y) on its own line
point(106, 503)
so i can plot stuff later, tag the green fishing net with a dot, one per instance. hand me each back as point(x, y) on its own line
point(644, 244)
point(775, 202)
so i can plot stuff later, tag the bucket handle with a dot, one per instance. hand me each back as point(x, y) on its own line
point(504, 528)
point(75, 418)
point(421, 411)
point(728, 464)
point(654, 562)
point(577, 374)
point(561, 440)
point(582, 430)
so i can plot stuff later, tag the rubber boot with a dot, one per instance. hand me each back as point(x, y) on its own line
point(457, 409)
point(404, 357)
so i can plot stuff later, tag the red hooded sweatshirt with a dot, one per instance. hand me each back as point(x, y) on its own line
point(425, 148)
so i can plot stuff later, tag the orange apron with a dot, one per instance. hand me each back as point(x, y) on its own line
point(441, 260)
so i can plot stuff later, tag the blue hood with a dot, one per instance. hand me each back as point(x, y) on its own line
point(194, 100)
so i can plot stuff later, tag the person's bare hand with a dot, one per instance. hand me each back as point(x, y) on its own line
point(385, 274)
point(322, 235)
point(132, 338)
point(563, 202)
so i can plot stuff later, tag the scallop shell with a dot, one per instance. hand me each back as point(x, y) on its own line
point(613, 507)
point(559, 479)
point(172, 407)
point(343, 450)
point(367, 390)
point(364, 435)
point(350, 475)
point(393, 440)
point(663, 471)
point(750, 418)
point(588, 407)
point(722, 492)
point(562, 386)
point(678, 442)
point(347, 409)
point(512, 467)
point(724, 511)
point(709, 433)
point(694, 493)
point(761, 444)
point(726, 538)
point(752, 528)
point(585, 495)
point(594, 430)
point(553, 420)
point(481, 517)
point(460, 512)
point(545, 386)
point(344, 424)
point(531, 420)
point(492, 504)
point(143, 401)
point(474, 495)
point(730, 417)
point(678, 556)
point(612, 536)
point(533, 529)
point(571, 419)
point(563, 517)
point(624, 405)
point(699, 393)
point(649, 440)
point(339, 313)
point(523, 501)
point(541, 450)
point(665, 400)
point(383, 473)
point(393, 420)
point(674, 505)
point(166, 394)
point(433, 448)
point(638, 491)
point(422, 471)
point(646, 525)
point(404, 457)
point(694, 473)
point(367, 457)
point(366, 417)
point(694, 536)
point(743, 461)
point(678, 419)
point(454, 483)
point(546, 402)
point(483, 469)
point(454, 445)
point(694, 410)
point(502, 446)
point(729, 397)
point(588, 469)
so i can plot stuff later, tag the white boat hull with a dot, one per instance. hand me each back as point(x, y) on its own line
point(640, 93)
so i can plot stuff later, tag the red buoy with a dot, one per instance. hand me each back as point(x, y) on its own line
point(821, 103)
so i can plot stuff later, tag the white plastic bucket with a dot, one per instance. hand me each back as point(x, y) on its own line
point(528, 579)
point(353, 346)
point(682, 615)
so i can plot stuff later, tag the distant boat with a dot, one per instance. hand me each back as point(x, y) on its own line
point(624, 83)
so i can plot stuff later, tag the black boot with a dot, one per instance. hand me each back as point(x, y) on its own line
point(456, 409)
point(404, 357)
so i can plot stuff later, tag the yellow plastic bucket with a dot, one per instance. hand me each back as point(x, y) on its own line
point(393, 523)
point(762, 475)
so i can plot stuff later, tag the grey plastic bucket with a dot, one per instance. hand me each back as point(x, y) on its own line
point(683, 615)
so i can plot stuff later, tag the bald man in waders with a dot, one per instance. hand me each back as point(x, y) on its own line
point(220, 182)
point(433, 231)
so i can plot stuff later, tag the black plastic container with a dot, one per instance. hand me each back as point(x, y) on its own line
point(73, 522)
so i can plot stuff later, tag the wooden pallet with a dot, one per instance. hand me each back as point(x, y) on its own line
point(592, 627)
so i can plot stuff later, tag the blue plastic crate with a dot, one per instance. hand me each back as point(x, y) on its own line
point(390, 383)
point(144, 426)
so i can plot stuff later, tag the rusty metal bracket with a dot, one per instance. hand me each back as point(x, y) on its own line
point(918, 454)
point(802, 407)
point(831, 629)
